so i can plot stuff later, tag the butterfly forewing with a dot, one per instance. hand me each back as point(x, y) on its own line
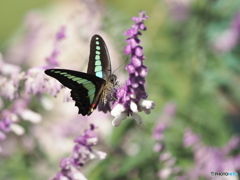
point(99, 61)
point(85, 88)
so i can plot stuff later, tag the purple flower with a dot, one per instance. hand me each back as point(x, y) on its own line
point(9, 120)
point(209, 158)
point(37, 82)
point(165, 158)
point(190, 138)
point(8, 89)
point(230, 37)
point(165, 121)
point(52, 59)
point(2, 137)
point(82, 152)
point(179, 10)
point(9, 79)
point(158, 131)
point(6, 120)
point(8, 69)
point(132, 96)
point(67, 173)
point(11, 116)
point(232, 144)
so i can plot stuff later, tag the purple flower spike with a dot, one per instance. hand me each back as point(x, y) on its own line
point(132, 96)
point(82, 152)
point(52, 60)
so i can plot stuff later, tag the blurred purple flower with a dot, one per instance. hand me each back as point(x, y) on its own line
point(2, 137)
point(165, 158)
point(82, 152)
point(11, 116)
point(179, 10)
point(132, 96)
point(6, 120)
point(190, 138)
point(158, 131)
point(67, 173)
point(52, 59)
point(8, 89)
point(208, 158)
point(8, 69)
point(229, 38)
point(35, 81)
point(165, 121)
point(233, 143)
point(236, 22)
point(9, 79)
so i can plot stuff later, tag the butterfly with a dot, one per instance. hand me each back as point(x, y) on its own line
point(87, 89)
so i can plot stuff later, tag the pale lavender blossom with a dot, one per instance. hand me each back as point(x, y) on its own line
point(169, 168)
point(6, 120)
point(9, 79)
point(67, 173)
point(8, 89)
point(190, 138)
point(52, 59)
point(165, 158)
point(2, 137)
point(82, 153)
point(179, 10)
point(132, 96)
point(229, 39)
point(36, 83)
point(209, 158)
point(17, 111)
point(164, 121)
point(7, 68)
point(34, 79)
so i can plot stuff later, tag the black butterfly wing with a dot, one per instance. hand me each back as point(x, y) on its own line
point(99, 60)
point(86, 89)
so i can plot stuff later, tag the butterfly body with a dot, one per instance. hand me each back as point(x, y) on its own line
point(87, 89)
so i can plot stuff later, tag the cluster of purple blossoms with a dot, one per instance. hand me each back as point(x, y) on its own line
point(82, 152)
point(35, 83)
point(165, 158)
point(230, 38)
point(132, 96)
point(208, 158)
point(36, 80)
point(52, 59)
point(10, 117)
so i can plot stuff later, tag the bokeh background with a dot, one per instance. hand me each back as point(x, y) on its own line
point(193, 59)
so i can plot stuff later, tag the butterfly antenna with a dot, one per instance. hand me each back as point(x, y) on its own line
point(121, 65)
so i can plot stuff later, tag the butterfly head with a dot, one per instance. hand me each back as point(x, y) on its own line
point(112, 79)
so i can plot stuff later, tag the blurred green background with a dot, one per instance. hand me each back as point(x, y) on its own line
point(12, 15)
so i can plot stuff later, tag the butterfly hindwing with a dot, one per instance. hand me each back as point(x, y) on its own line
point(85, 88)
point(99, 60)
